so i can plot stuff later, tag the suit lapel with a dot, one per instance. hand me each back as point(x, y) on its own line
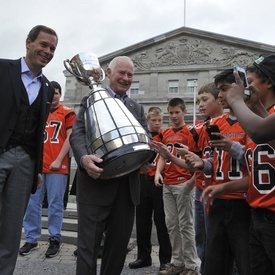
point(46, 95)
point(15, 76)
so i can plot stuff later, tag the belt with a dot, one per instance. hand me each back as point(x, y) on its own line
point(147, 177)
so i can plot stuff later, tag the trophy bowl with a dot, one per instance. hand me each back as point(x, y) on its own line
point(86, 68)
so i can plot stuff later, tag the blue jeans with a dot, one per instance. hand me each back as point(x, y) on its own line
point(55, 186)
point(200, 227)
point(228, 224)
point(262, 242)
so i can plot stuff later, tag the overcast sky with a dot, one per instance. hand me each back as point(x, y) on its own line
point(106, 26)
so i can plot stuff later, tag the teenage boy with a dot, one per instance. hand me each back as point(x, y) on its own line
point(229, 217)
point(260, 161)
point(151, 203)
point(178, 196)
point(209, 107)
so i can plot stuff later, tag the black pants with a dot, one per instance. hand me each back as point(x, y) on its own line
point(151, 207)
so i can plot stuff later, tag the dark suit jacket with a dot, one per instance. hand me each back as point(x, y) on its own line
point(10, 95)
point(101, 192)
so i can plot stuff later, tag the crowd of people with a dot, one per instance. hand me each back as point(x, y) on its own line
point(210, 194)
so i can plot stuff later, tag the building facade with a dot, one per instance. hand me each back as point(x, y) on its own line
point(175, 64)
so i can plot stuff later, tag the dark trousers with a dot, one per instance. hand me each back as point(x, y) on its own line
point(16, 178)
point(151, 207)
point(116, 220)
point(227, 237)
point(262, 242)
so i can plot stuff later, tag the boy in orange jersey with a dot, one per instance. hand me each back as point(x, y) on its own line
point(209, 107)
point(178, 196)
point(229, 217)
point(151, 203)
point(260, 156)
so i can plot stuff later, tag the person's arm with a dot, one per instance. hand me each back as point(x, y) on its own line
point(55, 165)
point(214, 191)
point(257, 123)
point(162, 149)
point(194, 162)
point(158, 176)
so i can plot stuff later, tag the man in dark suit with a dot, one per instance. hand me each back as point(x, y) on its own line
point(105, 205)
point(25, 100)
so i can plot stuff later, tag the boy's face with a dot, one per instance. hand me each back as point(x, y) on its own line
point(208, 105)
point(154, 123)
point(261, 86)
point(56, 98)
point(176, 114)
point(223, 88)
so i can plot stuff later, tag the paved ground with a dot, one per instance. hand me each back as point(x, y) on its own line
point(64, 264)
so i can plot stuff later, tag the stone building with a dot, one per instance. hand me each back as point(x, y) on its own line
point(175, 64)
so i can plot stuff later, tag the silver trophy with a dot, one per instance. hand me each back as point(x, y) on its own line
point(112, 132)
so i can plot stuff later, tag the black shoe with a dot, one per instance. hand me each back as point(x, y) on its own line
point(53, 249)
point(140, 263)
point(75, 252)
point(27, 248)
point(164, 266)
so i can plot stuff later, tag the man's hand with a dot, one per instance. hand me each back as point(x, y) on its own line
point(89, 164)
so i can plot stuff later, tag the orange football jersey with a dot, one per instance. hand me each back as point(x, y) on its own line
point(226, 168)
point(59, 121)
point(199, 145)
point(174, 174)
point(260, 160)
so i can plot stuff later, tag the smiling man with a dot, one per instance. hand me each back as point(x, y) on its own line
point(25, 101)
point(105, 205)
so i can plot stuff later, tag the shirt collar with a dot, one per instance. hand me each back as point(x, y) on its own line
point(25, 69)
point(113, 94)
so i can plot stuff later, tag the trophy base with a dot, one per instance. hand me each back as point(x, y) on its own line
point(125, 160)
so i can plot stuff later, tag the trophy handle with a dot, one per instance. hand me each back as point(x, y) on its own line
point(102, 75)
point(65, 62)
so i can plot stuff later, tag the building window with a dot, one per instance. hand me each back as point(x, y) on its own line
point(173, 87)
point(134, 90)
point(191, 88)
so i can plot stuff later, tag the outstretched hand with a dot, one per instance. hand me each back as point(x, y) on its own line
point(192, 160)
point(210, 193)
point(161, 148)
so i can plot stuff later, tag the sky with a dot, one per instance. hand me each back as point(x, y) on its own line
point(106, 26)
